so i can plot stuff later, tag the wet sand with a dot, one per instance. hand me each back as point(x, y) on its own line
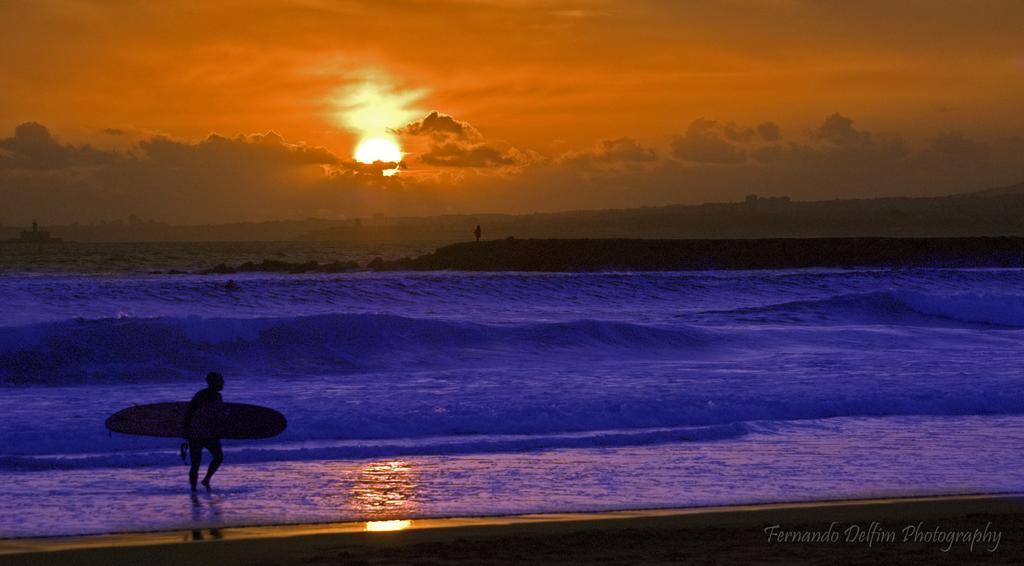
point(883, 531)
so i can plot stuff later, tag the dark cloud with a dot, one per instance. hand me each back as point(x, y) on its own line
point(623, 149)
point(262, 151)
point(954, 145)
point(703, 143)
point(113, 131)
point(441, 127)
point(355, 168)
point(737, 134)
point(262, 176)
point(453, 143)
point(701, 126)
point(33, 147)
point(769, 132)
point(453, 154)
point(611, 154)
point(768, 153)
point(838, 130)
point(215, 179)
point(953, 155)
point(837, 156)
point(848, 163)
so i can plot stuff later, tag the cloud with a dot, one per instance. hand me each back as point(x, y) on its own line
point(737, 134)
point(952, 155)
point(837, 158)
point(611, 154)
point(441, 127)
point(348, 168)
point(838, 130)
point(956, 145)
point(849, 162)
point(703, 143)
point(217, 178)
point(769, 153)
point(113, 131)
point(259, 151)
point(454, 154)
point(454, 143)
point(34, 147)
point(264, 176)
point(623, 149)
point(769, 132)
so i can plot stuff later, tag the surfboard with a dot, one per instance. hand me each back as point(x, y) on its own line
point(238, 421)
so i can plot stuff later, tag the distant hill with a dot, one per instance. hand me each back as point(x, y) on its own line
point(991, 212)
point(998, 214)
point(1017, 189)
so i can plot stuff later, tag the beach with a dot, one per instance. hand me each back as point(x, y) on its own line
point(962, 529)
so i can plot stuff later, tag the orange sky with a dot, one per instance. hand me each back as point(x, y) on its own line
point(540, 83)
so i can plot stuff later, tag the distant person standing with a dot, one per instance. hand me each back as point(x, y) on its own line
point(477, 232)
point(202, 421)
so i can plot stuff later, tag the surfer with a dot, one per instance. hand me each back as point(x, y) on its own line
point(476, 232)
point(201, 420)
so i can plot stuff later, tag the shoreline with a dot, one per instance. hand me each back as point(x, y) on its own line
point(295, 543)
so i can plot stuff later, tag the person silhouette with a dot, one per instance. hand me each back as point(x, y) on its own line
point(202, 420)
point(476, 232)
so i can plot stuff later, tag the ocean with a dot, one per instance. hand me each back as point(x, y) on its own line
point(450, 393)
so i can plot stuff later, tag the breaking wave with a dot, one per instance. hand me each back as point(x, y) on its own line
point(241, 452)
point(164, 348)
point(895, 307)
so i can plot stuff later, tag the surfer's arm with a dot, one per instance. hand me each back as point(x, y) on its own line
point(189, 412)
point(188, 420)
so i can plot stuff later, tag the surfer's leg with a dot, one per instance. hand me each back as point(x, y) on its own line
point(218, 456)
point(195, 452)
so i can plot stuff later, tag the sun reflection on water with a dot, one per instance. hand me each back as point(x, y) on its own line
point(381, 526)
point(385, 492)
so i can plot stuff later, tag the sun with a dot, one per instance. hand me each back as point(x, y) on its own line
point(379, 149)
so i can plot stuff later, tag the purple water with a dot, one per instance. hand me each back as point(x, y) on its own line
point(625, 389)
